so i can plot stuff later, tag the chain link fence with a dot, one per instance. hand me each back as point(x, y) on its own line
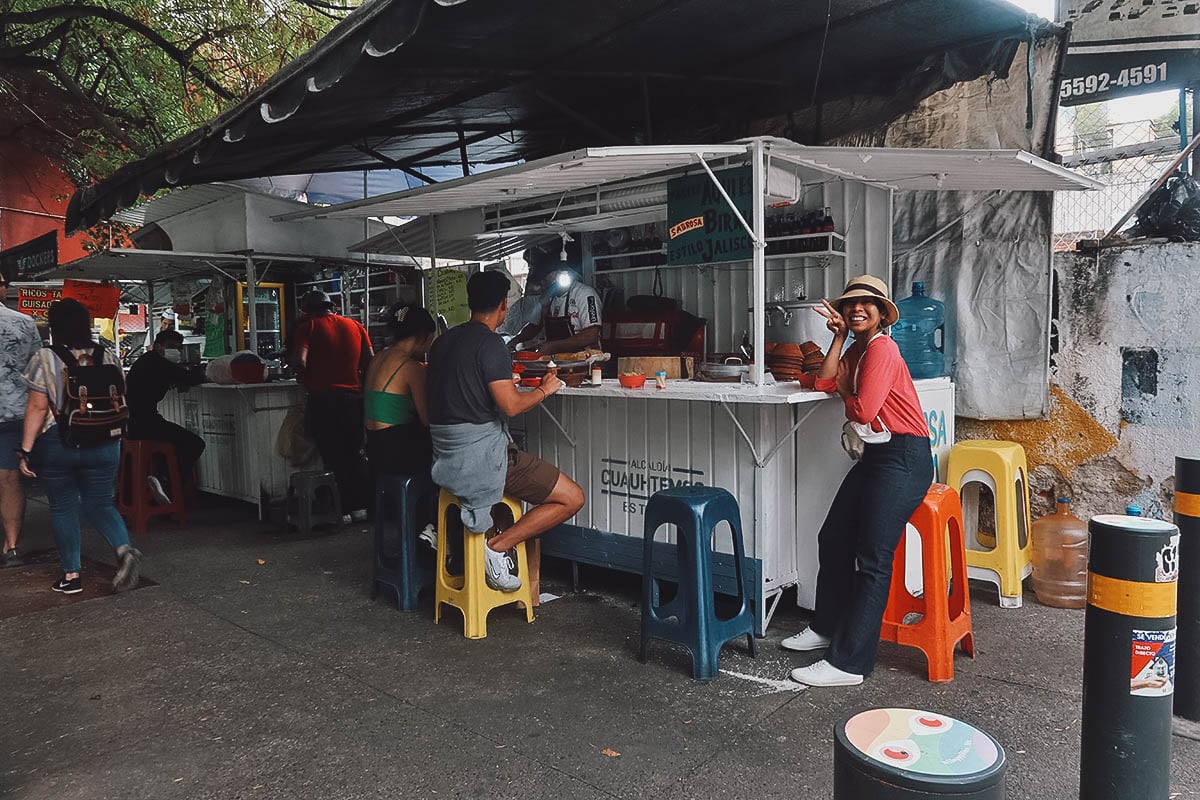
point(1126, 157)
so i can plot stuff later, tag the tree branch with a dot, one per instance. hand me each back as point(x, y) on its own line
point(57, 32)
point(211, 36)
point(85, 11)
point(68, 83)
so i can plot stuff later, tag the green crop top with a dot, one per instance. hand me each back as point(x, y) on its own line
point(387, 408)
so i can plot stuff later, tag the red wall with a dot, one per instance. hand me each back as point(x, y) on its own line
point(34, 182)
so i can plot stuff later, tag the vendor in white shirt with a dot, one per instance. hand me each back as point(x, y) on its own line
point(570, 316)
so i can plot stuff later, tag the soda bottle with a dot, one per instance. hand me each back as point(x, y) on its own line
point(920, 333)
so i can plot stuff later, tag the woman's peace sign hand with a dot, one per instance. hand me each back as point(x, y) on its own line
point(833, 319)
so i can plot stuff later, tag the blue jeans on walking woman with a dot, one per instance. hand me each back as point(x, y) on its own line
point(864, 525)
point(79, 479)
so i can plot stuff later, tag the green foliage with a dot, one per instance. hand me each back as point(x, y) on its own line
point(144, 72)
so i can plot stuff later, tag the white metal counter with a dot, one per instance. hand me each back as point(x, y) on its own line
point(777, 449)
point(239, 424)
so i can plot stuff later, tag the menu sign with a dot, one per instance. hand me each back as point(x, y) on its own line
point(35, 300)
point(100, 299)
point(451, 293)
point(701, 227)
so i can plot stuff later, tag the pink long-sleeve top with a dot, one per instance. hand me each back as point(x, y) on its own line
point(885, 389)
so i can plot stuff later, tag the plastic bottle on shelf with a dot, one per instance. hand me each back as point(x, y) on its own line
point(920, 333)
point(1060, 555)
point(827, 221)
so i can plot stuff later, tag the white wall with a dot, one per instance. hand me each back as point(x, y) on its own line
point(1129, 307)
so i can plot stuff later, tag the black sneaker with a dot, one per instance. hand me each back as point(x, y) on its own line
point(128, 569)
point(11, 558)
point(64, 586)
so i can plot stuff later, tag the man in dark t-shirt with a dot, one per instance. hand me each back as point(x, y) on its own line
point(470, 383)
point(150, 378)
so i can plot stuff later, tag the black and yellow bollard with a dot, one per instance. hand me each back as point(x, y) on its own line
point(1187, 658)
point(1128, 659)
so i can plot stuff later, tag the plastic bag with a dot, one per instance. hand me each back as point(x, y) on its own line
point(1173, 211)
point(240, 367)
point(292, 443)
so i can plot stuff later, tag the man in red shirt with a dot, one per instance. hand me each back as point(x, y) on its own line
point(331, 353)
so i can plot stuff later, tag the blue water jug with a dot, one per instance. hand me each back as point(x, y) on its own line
point(920, 333)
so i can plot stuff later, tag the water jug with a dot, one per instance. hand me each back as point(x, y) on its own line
point(1060, 555)
point(920, 333)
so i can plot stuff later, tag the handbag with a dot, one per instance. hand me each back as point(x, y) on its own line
point(857, 435)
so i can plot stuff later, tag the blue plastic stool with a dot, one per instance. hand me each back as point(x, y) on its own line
point(397, 500)
point(695, 512)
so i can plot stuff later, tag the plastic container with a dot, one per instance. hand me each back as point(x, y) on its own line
point(660, 379)
point(632, 381)
point(920, 333)
point(1060, 558)
point(1133, 511)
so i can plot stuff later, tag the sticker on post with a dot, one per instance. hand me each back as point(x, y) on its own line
point(1166, 567)
point(1152, 671)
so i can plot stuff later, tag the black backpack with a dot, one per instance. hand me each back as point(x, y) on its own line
point(92, 410)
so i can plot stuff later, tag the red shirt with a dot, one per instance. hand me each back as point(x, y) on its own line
point(885, 389)
point(338, 350)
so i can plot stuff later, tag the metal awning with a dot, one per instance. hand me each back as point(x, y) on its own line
point(177, 202)
point(130, 264)
point(415, 240)
point(927, 169)
point(567, 172)
point(484, 203)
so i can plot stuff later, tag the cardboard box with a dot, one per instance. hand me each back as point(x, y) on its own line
point(676, 367)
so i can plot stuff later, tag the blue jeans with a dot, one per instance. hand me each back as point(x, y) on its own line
point(864, 525)
point(79, 478)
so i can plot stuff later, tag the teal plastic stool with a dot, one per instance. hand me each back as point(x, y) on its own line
point(398, 499)
point(695, 511)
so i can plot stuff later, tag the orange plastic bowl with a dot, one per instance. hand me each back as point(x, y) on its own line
point(518, 368)
point(632, 381)
point(531, 383)
point(526, 355)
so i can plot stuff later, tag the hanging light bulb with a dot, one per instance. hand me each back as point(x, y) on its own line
point(566, 237)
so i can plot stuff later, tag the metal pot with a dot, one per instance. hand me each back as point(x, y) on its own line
point(796, 323)
point(719, 365)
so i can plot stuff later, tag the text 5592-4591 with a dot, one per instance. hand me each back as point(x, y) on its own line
point(1105, 81)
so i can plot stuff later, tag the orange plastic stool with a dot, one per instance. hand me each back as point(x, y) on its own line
point(944, 604)
point(133, 495)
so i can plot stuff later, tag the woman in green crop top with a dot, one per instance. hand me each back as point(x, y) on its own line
point(394, 396)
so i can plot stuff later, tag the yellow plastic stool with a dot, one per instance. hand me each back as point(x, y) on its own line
point(469, 592)
point(1001, 467)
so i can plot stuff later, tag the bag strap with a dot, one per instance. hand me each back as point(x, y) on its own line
point(98, 355)
point(858, 368)
point(65, 355)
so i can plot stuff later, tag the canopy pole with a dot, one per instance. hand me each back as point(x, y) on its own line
point(251, 310)
point(433, 267)
point(759, 264)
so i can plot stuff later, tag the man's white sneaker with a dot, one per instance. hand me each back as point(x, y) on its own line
point(157, 494)
point(496, 570)
point(805, 640)
point(429, 535)
point(823, 673)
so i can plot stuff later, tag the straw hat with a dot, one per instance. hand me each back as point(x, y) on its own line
point(872, 288)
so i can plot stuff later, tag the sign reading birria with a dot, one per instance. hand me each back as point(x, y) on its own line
point(701, 227)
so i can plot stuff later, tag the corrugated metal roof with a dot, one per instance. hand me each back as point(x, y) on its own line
point(176, 202)
point(129, 264)
point(410, 84)
point(907, 169)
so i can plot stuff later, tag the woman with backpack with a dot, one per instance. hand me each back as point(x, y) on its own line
point(74, 421)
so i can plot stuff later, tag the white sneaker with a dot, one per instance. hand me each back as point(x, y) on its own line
point(496, 570)
point(823, 673)
point(157, 494)
point(805, 640)
point(429, 535)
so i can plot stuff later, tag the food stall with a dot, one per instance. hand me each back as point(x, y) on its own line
point(231, 276)
point(774, 445)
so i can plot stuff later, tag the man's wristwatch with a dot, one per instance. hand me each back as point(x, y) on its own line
point(21, 452)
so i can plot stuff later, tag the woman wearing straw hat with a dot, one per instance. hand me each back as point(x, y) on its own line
point(878, 495)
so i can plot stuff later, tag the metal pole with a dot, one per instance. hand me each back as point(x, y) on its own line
point(433, 266)
point(251, 310)
point(1128, 659)
point(1187, 648)
point(1195, 127)
point(758, 262)
point(1183, 121)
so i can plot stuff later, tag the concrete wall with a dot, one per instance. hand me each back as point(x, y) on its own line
point(1125, 381)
